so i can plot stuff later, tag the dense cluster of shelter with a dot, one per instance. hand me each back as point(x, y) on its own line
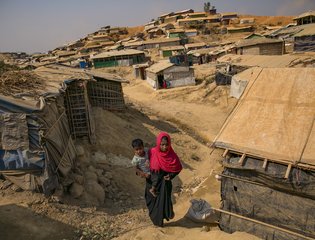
point(268, 140)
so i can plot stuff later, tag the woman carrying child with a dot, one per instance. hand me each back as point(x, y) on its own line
point(164, 166)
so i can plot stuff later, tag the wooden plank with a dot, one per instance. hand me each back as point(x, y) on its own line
point(241, 161)
point(287, 173)
point(265, 164)
point(225, 152)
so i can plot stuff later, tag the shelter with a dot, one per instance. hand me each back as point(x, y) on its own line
point(184, 12)
point(206, 55)
point(260, 46)
point(254, 35)
point(239, 29)
point(162, 17)
point(93, 46)
point(153, 43)
point(139, 70)
point(232, 64)
point(118, 58)
point(305, 18)
point(247, 21)
point(160, 42)
point(156, 32)
point(269, 151)
point(194, 46)
point(101, 38)
point(150, 24)
point(170, 51)
point(168, 75)
point(304, 40)
point(175, 33)
point(227, 17)
point(197, 15)
point(171, 19)
point(62, 54)
point(133, 44)
point(200, 56)
point(195, 22)
point(191, 32)
point(166, 26)
point(42, 116)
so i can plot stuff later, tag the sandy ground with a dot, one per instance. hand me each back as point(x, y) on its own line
point(192, 115)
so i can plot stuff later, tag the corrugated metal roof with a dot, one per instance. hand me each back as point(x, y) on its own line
point(306, 30)
point(160, 66)
point(117, 53)
point(256, 41)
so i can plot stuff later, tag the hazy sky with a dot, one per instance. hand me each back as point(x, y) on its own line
point(41, 25)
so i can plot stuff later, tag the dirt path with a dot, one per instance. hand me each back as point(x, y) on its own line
point(200, 110)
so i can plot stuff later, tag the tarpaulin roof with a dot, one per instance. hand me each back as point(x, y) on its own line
point(274, 118)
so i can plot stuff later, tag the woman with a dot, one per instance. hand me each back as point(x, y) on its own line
point(164, 166)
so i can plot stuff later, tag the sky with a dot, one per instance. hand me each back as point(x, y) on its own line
point(41, 25)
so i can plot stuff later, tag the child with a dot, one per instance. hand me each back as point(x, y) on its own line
point(141, 161)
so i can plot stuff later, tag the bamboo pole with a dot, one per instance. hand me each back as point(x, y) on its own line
point(263, 223)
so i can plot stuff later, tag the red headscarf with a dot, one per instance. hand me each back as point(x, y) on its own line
point(167, 161)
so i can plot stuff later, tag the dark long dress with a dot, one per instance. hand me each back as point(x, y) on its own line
point(160, 207)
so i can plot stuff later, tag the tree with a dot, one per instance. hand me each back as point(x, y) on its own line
point(207, 6)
